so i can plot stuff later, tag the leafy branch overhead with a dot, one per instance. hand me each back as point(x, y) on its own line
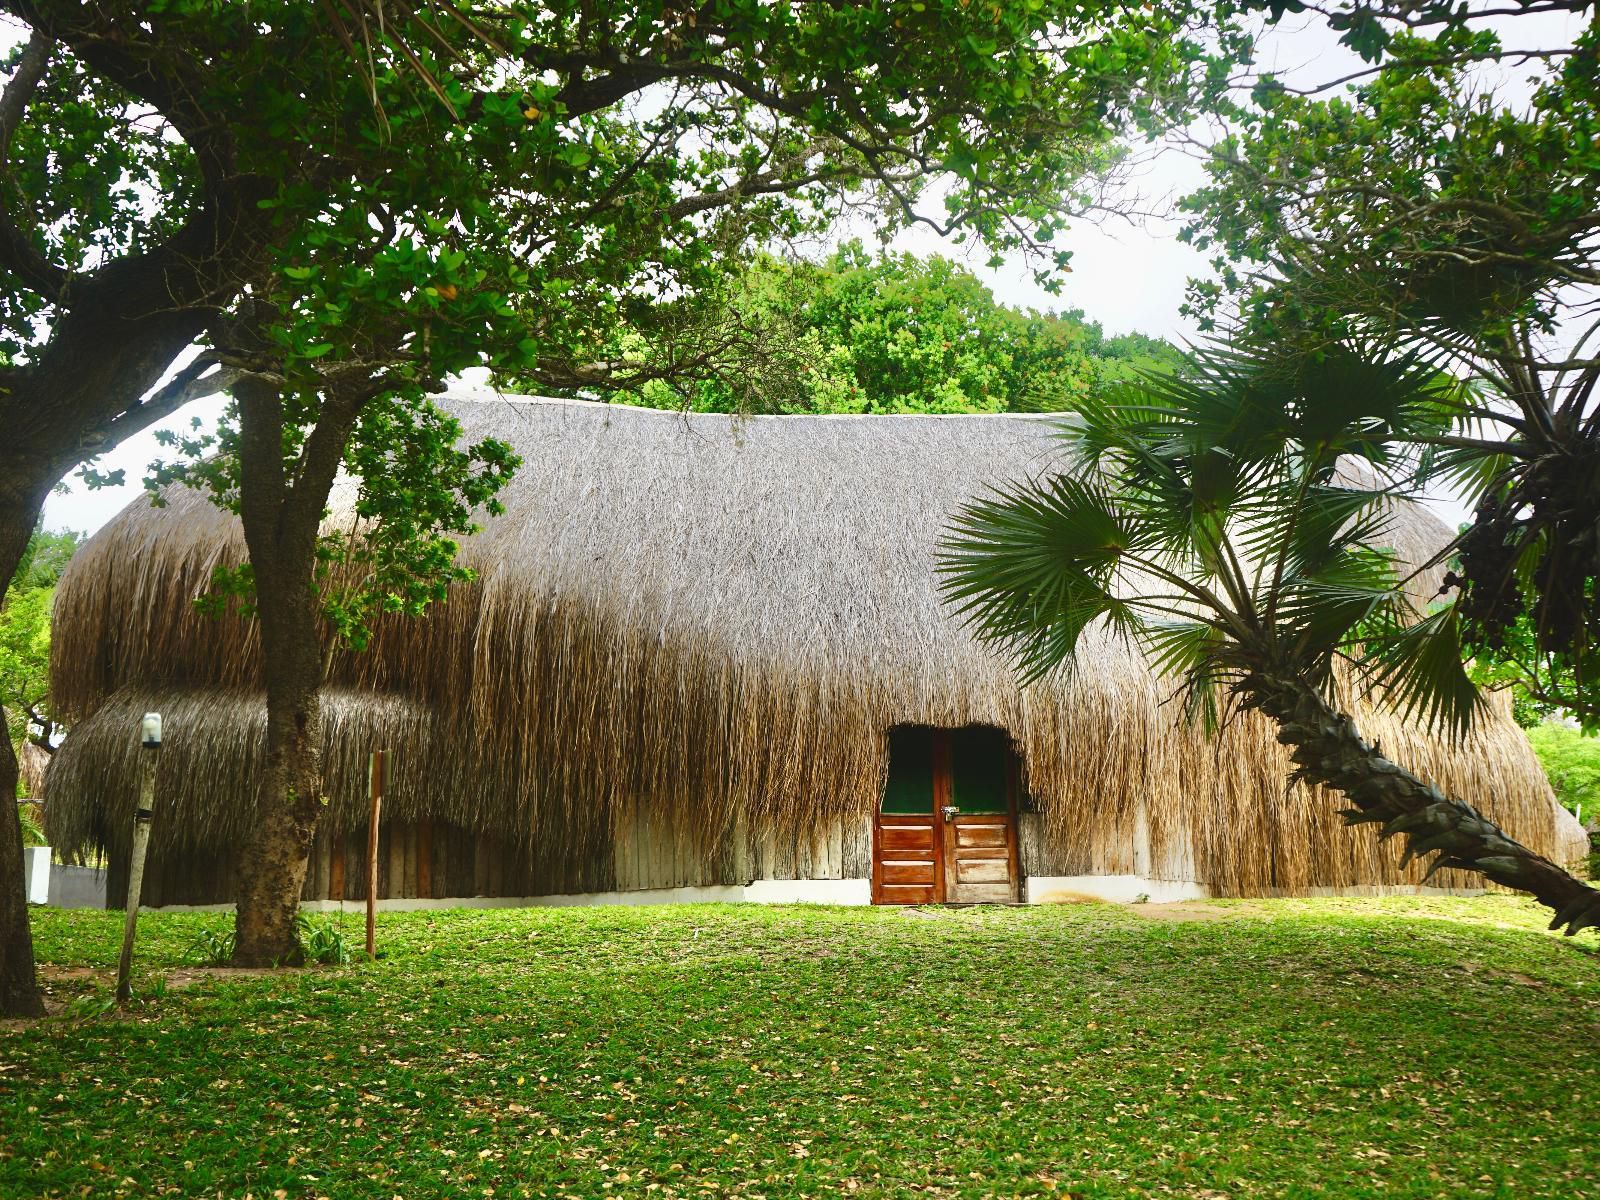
point(391, 547)
point(494, 185)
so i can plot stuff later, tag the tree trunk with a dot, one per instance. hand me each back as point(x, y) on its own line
point(272, 862)
point(281, 513)
point(1327, 749)
point(19, 989)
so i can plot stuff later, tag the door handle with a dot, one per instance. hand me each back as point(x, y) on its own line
point(950, 811)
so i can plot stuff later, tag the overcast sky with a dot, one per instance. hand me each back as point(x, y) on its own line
point(1128, 276)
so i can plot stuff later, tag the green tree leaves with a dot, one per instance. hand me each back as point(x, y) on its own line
point(855, 333)
point(25, 635)
point(1572, 761)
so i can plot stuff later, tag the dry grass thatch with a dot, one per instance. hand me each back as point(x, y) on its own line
point(687, 618)
point(32, 761)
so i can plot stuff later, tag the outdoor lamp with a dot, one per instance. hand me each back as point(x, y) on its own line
point(150, 739)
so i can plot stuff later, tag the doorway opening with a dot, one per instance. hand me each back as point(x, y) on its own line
point(946, 827)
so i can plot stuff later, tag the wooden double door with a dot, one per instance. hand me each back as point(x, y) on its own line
point(946, 828)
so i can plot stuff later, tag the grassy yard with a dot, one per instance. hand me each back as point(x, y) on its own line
point(1295, 1048)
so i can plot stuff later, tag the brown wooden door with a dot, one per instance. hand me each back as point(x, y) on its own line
point(946, 830)
point(980, 859)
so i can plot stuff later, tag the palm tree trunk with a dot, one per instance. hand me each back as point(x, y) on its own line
point(1327, 749)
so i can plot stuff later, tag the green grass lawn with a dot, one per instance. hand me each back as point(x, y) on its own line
point(1293, 1048)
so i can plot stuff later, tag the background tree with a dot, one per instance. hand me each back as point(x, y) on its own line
point(855, 333)
point(1420, 212)
point(25, 667)
point(1207, 517)
point(25, 639)
point(1572, 760)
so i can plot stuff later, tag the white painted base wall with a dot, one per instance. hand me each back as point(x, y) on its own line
point(36, 873)
point(1043, 889)
point(759, 891)
point(808, 891)
point(1119, 889)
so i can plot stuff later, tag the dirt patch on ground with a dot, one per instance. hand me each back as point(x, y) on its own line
point(64, 985)
point(1065, 896)
point(189, 976)
point(69, 980)
point(182, 977)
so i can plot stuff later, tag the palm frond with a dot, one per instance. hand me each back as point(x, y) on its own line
point(1193, 652)
point(1349, 590)
point(1420, 669)
point(1031, 568)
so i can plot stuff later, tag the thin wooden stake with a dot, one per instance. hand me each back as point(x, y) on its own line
point(375, 768)
point(141, 843)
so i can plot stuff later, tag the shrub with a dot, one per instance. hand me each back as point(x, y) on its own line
point(32, 825)
point(1572, 761)
point(321, 941)
point(211, 948)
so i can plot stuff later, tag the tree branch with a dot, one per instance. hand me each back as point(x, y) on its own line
point(20, 87)
point(191, 383)
point(17, 251)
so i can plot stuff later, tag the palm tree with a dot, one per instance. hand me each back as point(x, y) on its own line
point(1529, 561)
point(1234, 521)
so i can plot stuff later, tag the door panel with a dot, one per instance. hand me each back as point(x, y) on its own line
point(976, 837)
point(906, 867)
point(985, 893)
point(908, 872)
point(983, 870)
point(979, 859)
point(906, 837)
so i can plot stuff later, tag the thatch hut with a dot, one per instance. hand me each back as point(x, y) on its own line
point(32, 760)
point(706, 657)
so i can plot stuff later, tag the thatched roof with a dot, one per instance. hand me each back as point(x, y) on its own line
point(698, 616)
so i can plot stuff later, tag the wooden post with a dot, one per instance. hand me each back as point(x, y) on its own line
point(336, 869)
point(425, 859)
point(375, 787)
point(150, 741)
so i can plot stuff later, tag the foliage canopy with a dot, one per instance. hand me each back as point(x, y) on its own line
point(25, 637)
point(1420, 213)
point(857, 333)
